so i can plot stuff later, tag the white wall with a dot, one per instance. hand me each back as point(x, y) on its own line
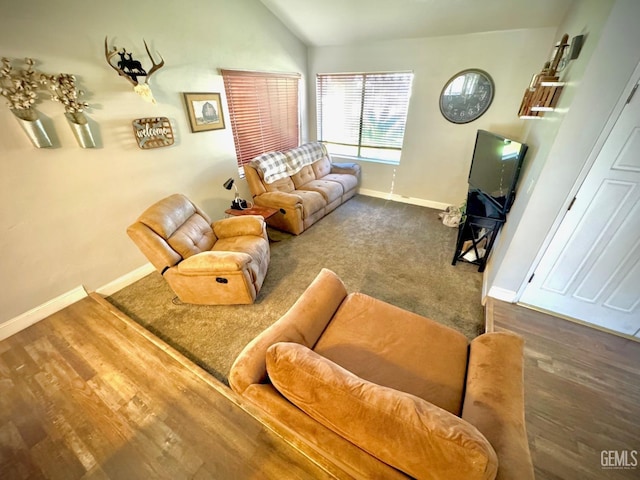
point(437, 154)
point(565, 139)
point(64, 211)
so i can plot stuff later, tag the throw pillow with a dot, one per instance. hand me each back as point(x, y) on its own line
point(402, 430)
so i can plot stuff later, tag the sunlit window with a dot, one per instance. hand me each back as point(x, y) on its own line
point(363, 115)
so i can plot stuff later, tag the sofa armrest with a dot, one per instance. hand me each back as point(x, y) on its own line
point(213, 262)
point(238, 226)
point(494, 400)
point(352, 168)
point(303, 323)
point(278, 200)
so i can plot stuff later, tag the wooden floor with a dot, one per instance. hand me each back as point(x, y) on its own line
point(86, 394)
point(582, 393)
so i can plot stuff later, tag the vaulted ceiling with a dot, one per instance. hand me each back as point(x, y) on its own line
point(341, 22)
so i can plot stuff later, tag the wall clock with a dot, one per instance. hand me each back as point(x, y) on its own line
point(466, 96)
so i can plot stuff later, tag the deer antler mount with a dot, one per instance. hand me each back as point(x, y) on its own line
point(131, 69)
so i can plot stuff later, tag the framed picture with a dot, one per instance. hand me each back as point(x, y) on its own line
point(205, 111)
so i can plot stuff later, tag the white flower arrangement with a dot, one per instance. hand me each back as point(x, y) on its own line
point(18, 87)
point(63, 90)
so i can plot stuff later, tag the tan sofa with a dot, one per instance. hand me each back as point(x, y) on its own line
point(317, 187)
point(219, 263)
point(385, 393)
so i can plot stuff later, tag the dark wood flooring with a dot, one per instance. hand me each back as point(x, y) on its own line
point(582, 393)
point(88, 394)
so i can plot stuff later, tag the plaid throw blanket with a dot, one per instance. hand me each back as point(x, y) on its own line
point(277, 165)
point(273, 166)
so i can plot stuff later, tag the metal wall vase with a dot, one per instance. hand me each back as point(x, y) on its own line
point(80, 127)
point(33, 127)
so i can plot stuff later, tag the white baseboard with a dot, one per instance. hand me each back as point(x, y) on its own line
point(41, 312)
point(125, 280)
point(401, 198)
point(503, 294)
point(54, 305)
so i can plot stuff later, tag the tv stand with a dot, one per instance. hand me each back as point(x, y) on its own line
point(476, 235)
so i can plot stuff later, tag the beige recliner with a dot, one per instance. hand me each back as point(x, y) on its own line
point(385, 393)
point(219, 263)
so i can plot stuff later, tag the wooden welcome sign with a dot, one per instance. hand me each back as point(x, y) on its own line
point(153, 132)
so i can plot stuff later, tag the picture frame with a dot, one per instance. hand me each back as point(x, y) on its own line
point(204, 111)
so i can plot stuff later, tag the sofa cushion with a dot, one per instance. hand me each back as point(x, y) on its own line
point(195, 235)
point(164, 217)
point(312, 202)
point(400, 429)
point(283, 185)
point(305, 175)
point(308, 432)
point(255, 246)
point(322, 167)
point(389, 346)
point(331, 191)
point(348, 182)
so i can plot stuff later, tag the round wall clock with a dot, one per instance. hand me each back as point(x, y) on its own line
point(466, 96)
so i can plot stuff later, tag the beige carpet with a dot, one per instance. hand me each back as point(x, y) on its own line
point(396, 252)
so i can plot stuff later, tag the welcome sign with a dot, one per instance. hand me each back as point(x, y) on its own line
point(153, 132)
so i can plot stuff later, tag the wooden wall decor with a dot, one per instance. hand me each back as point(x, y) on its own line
point(154, 132)
point(544, 90)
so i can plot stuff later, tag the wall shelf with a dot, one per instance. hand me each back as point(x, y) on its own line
point(545, 88)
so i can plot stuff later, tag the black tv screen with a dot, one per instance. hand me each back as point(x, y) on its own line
point(495, 167)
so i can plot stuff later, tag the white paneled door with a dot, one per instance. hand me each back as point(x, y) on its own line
point(591, 270)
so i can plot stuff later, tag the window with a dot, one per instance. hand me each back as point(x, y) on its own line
point(363, 114)
point(263, 108)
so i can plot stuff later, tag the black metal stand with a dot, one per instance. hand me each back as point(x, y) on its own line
point(477, 234)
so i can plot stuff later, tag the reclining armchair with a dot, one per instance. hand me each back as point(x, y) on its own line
point(219, 263)
point(381, 392)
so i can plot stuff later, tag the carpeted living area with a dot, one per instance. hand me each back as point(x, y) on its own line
point(396, 252)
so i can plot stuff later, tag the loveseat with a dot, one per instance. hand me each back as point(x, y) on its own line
point(219, 263)
point(302, 183)
point(385, 393)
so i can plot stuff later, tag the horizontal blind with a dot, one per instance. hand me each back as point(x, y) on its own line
point(339, 108)
point(263, 108)
point(364, 110)
point(385, 107)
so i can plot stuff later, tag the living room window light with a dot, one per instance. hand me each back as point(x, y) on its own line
point(363, 115)
point(263, 110)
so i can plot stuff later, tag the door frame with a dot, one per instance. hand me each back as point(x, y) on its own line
point(584, 171)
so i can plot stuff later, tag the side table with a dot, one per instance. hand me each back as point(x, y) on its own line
point(264, 212)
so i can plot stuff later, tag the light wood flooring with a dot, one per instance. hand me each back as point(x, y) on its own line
point(582, 394)
point(86, 393)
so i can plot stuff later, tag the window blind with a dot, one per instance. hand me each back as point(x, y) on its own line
point(363, 114)
point(263, 108)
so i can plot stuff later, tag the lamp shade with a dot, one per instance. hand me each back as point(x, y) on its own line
point(228, 184)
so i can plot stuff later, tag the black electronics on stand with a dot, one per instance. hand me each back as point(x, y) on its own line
point(493, 177)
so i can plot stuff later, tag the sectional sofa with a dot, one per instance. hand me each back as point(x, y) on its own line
point(302, 183)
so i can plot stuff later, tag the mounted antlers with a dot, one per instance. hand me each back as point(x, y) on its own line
point(132, 69)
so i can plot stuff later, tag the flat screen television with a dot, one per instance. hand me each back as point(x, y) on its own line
point(495, 168)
